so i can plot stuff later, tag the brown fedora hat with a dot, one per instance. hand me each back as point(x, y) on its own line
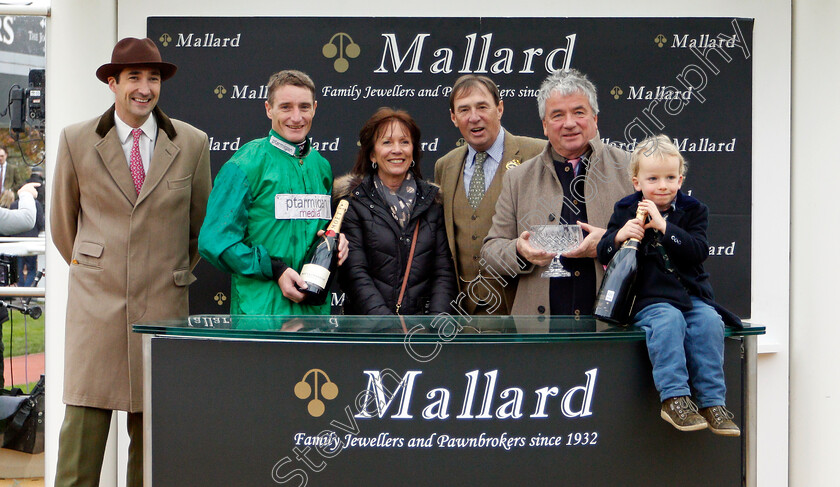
point(135, 52)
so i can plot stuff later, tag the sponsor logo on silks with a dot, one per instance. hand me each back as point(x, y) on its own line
point(341, 44)
point(302, 207)
point(328, 390)
point(283, 146)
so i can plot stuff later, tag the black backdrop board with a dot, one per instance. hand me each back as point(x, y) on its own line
point(690, 78)
point(609, 430)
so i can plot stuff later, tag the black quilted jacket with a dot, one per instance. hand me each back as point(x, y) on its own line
point(373, 273)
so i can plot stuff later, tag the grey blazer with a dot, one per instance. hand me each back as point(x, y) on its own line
point(529, 194)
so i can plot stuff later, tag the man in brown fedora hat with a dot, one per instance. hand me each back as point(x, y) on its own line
point(129, 197)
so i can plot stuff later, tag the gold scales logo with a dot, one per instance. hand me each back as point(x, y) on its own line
point(331, 50)
point(328, 391)
point(660, 40)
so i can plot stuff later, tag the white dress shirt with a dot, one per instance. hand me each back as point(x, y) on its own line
point(147, 140)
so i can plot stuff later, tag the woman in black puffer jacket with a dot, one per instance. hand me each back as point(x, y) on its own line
point(388, 200)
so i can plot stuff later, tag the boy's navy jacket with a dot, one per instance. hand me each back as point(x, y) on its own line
point(685, 247)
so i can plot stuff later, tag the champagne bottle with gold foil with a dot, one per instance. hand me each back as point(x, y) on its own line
point(614, 298)
point(322, 260)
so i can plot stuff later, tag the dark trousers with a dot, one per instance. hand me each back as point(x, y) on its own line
point(81, 447)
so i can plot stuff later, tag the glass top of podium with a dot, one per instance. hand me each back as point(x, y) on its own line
point(427, 328)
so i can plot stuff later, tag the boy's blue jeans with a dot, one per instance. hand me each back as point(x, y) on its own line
point(685, 348)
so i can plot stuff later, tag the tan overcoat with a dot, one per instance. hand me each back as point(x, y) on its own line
point(530, 194)
point(130, 255)
point(449, 171)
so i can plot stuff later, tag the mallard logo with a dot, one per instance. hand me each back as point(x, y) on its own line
point(165, 39)
point(328, 390)
point(660, 40)
point(345, 47)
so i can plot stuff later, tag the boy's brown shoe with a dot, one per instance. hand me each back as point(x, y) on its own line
point(682, 414)
point(720, 421)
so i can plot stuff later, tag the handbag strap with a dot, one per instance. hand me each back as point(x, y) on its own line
point(22, 414)
point(407, 270)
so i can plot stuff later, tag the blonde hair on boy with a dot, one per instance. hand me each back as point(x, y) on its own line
point(657, 146)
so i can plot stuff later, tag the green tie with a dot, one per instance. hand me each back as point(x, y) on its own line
point(477, 181)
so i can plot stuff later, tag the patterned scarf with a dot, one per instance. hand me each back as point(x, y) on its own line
point(401, 201)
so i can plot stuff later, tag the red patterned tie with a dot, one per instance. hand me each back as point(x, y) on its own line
point(136, 163)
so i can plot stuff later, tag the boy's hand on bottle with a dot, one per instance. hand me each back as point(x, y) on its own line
point(632, 229)
point(656, 220)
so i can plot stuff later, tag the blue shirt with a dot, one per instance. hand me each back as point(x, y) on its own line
point(494, 157)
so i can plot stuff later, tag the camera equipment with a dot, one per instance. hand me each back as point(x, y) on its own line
point(8, 270)
point(34, 311)
point(28, 104)
point(9, 276)
point(35, 93)
point(35, 282)
point(16, 112)
point(26, 108)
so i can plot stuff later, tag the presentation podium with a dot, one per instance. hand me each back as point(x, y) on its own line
point(425, 401)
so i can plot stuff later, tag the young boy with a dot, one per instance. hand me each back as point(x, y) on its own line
point(674, 301)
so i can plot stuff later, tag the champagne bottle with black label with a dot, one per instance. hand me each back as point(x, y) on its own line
point(322, 260)
point(614, 298)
